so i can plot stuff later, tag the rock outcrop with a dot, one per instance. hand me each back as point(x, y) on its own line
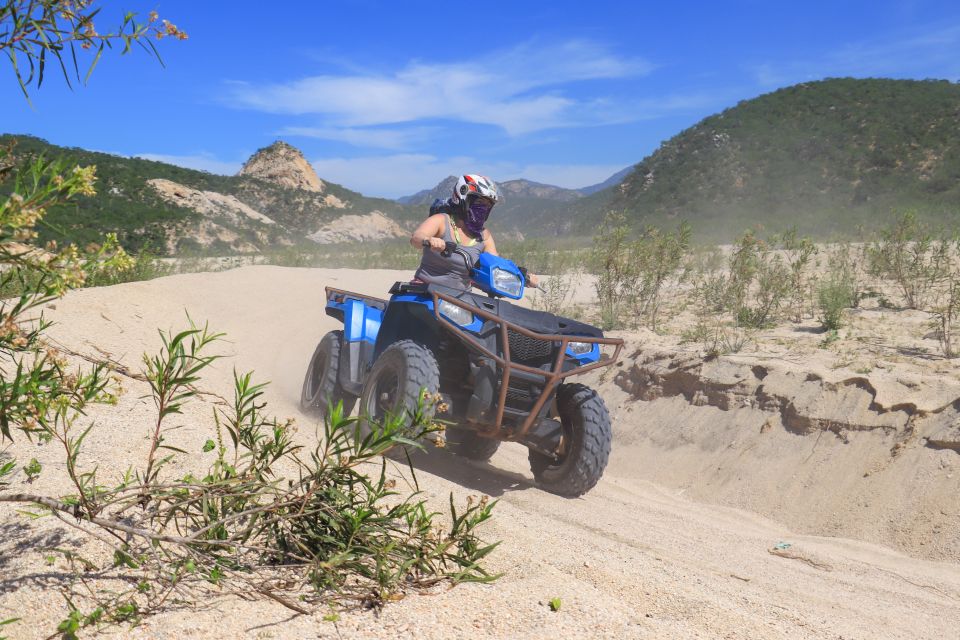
point(284, 165)
point(358, 228)
point(206, 202)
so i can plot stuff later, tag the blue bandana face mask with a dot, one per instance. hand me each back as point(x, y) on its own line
point(478, 210)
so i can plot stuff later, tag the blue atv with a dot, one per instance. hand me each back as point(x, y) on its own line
point(500, 370)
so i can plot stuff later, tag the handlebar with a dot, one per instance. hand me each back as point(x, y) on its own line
point(451, 248)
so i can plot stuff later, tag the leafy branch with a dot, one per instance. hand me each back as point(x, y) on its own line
point(269, 518)
point(35, 32)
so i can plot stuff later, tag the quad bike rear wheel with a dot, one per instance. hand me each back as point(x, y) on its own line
point(321, 388)
point(395, 382)
point(585, 445)
point(469, 444)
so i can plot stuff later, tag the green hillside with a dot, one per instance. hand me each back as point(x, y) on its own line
point(823, 156)
point(127, 205)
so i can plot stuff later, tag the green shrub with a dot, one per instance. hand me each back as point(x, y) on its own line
point(758, 284)
point(631, 272)
point(799, 253)
point(834, 294)
point(909, 254)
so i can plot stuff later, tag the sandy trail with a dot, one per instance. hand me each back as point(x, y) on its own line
point(631, 559)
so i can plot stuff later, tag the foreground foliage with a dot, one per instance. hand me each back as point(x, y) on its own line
point(268, 518)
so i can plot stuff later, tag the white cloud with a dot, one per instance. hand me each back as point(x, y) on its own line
point(202, 161)
point(514, 89)
point(392, 176)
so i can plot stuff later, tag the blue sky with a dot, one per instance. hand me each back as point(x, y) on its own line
point(387, 98)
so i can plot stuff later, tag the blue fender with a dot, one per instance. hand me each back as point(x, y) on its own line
point(361, 322)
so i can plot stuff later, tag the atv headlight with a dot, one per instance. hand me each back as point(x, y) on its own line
point(508, 283)
point(457, 314)
point(579, 348)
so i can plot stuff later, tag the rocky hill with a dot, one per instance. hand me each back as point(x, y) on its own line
point(284, 165)
point(276, 200)
point(823, 156)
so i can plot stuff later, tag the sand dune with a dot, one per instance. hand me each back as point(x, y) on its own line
point(641, 556)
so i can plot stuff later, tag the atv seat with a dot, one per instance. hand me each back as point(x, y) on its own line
point(408, 287)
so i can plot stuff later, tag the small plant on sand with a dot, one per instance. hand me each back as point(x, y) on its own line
point(759, 282)
point(608, 261)
point(944, 305)
point(553, 294)
point(717, 337)
point(707, 271)
point(911, 256)
point(834, 295)
point(631, 272)
point(944, 318)
point(799, 253)
point(657, 258)
point(838, 288)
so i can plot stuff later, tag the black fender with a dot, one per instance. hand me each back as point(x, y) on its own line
point(408, 321)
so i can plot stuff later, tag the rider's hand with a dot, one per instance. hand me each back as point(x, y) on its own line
point(435, 244)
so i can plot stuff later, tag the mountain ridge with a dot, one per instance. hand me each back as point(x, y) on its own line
point(824, 157)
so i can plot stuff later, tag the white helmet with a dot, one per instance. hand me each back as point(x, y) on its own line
point(477, 185)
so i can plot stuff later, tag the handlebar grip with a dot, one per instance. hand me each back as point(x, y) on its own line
point(448, 249)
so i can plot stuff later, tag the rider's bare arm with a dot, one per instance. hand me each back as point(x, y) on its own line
point(430, 230)
point(489, 245)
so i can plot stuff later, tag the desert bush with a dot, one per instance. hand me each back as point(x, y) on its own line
point(944, 303)
point(553, 294)
point(631, 273)
point(799, 253)
point(717, 337)
point(835, 294)
point(839, 287)
point(707, 271)
point(264, 515)
point(657, 257)
point(944, 315)
point(758, 284)
point(608, 260)
point(912, 257)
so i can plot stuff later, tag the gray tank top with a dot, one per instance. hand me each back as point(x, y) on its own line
point(449, 272)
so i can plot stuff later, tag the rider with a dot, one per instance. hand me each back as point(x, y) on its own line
point(460, 219)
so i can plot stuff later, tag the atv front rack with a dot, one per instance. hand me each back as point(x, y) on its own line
point(552, 378)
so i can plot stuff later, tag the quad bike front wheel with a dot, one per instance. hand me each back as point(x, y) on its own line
point(584, 447)
point(394, 384)
point(321, 388)
point(469, 444)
